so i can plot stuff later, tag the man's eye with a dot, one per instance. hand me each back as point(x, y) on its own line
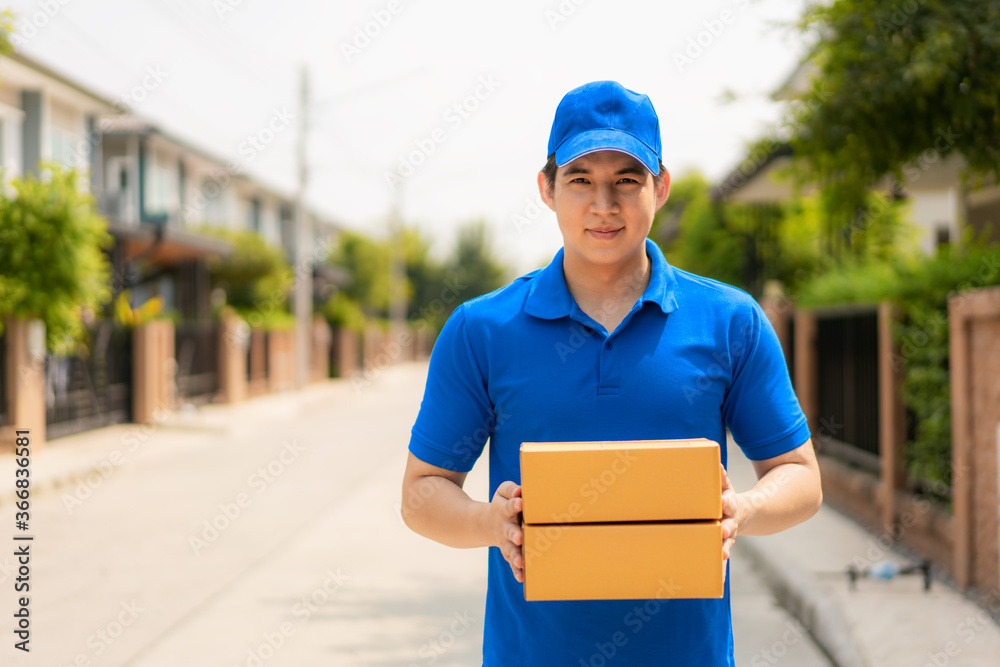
point(579, 179)
point(628, 180)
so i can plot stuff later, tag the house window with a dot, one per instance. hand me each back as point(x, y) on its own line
point(215, 206)
point(255, 215)
point(161, 196)
point(10, 141)
point(64, 147)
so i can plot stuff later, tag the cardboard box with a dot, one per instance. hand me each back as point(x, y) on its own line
point(618, 561)
point(641, 480)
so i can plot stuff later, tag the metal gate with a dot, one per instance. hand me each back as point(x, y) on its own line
point(91, 389)
point(848, 377)
point(196, 349)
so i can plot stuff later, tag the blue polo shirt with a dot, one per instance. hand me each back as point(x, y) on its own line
point(524, 364)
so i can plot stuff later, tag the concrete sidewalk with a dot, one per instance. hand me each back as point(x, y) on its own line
point(882, 622)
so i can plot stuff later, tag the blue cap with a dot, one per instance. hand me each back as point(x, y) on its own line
point(604, 115)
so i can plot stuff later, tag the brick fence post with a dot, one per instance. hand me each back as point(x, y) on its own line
point(347, 352)
point(974, 363)
point(779, 312)
point(892, 415)
point(806, 367)
point(321, 339)
point(234, 341)
point(25, 381)
point(280, 360)
point(153, 370)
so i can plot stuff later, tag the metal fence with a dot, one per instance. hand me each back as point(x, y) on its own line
point(848, 380)
point(93, 388)
point(196, 349)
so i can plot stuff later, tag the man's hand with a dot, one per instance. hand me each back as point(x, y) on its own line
point(730, 517)
point(505, 512)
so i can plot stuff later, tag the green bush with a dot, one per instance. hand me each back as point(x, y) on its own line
point(255, 277)
point(52, 261)
point(343, 312)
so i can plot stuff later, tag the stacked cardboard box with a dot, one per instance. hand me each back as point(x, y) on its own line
point(622, 520)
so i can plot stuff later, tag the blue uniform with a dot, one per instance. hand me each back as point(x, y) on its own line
point(524, 364)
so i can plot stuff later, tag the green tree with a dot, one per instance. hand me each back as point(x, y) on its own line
point(473, 268)
point(433, 288)
point(688, 188)
point(703, 243)
point(424, 273)
point(897, 87)
point(366, 262)
point(52, 261)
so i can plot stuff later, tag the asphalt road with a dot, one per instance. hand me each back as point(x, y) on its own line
point(269, 534)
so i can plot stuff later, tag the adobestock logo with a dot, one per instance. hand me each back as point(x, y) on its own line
point(33, 23)
point(455, 116)
point(713, 29)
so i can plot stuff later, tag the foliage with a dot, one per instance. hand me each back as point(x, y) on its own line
point(424, 274)
point(704, 245)
point(344, 312)
point(684, 190)
point(367, 262)
point(6, 31)
point(472, 270)
point(920, 287)
point(725, 240)
point(255, 277)
point(898, 87)
point(433, 288)
point(52, 263)
point(269, 319)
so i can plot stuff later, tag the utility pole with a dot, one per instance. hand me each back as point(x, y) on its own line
point(303, 247)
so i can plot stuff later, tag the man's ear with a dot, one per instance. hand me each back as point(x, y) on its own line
point(546, 192)
point(663, 190)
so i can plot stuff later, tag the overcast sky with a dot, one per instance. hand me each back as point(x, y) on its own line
point(385, 78)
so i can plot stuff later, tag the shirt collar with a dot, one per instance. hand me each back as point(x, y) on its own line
point(549, 298)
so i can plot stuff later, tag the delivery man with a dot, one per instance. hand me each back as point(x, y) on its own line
point(607, 342)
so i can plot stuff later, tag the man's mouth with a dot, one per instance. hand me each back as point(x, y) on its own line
point(606, 233)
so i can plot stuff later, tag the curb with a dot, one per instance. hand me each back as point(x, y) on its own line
point(799, 592)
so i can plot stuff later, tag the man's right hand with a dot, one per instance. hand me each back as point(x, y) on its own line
point(505, 519)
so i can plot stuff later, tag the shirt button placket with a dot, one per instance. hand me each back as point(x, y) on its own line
point(610, 378)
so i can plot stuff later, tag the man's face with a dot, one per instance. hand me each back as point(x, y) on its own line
point(604, 202)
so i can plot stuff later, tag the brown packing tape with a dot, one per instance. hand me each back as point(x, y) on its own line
point(648, 480)
point(618, 561)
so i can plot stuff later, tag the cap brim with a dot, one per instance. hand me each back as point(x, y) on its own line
point(592, 141)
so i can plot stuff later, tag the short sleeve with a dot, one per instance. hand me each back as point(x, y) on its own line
point(761, 409)
point(456, 415)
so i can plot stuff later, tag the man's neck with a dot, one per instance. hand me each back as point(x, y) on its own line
point(607, 293)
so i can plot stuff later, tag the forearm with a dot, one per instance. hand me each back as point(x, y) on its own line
point(440, 510)
point(784, 497)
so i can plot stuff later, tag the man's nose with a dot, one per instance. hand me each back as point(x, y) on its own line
point(605, 202)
